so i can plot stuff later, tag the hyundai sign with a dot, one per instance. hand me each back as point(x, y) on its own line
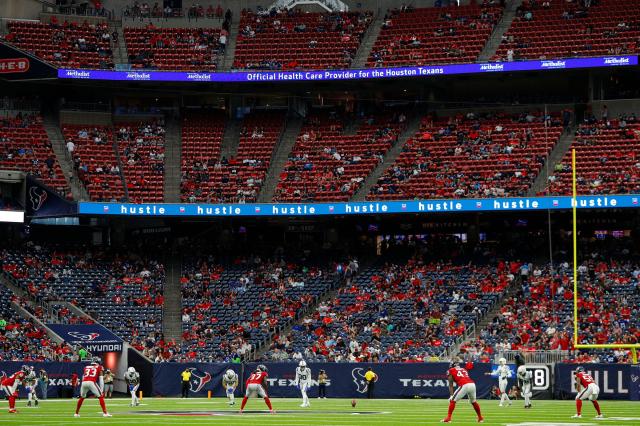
point(93, 337)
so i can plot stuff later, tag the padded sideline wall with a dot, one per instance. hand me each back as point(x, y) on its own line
point(20, 9)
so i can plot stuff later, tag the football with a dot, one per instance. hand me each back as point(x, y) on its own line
point(353, 402)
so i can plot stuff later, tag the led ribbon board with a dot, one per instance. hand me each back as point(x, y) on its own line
point(349, 74)
point(371, 207)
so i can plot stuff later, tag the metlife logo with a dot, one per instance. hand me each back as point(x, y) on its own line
point(77, 74)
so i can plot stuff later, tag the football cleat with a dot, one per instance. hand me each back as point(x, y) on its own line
point(576, 416)
point(599, 416)
point(272, 411)
point(107, 415)
point(480, 419)
point(76, 415)
point(13, 411)
point(446, 420)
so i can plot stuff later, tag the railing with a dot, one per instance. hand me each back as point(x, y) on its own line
point(77, 10)
point(534, 357)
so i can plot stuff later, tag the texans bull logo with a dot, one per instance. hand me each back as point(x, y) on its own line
point(198, 379)
point(86, 337)
point(359, 380)
point(37, 196)
point(634, 378)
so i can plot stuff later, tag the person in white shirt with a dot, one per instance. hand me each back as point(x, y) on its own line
point(503, 380)
point(303, 381)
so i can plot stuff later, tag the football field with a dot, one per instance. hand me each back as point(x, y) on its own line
point(175, 411)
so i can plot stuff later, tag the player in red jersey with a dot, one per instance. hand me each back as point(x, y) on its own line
point(10, 387)
point(92, 381)
point(466, 387)
point(256, 385)
point(587, 389)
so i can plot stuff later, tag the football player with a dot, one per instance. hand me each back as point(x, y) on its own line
point(524, 381)
point(30, 384)
point(466, 387)
point(92, 381)
point(503, 380)
point(132, 377)
point(303, 381)
point(587, 389)
point(256, 385)
point(10, 386)
point(230, 383)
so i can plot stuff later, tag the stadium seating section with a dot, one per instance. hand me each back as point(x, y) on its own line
point(292, 40)
point(95, 161)
point(25, 146)
point(122, 292)
point(434, 35)
point(209, 177)
point(172, 49)
point(328, 163)
point(561, 29)
point(228, 310)
point(22, 339)
point(68, 45)
point(401, 312)
point(492, 156)
point(607, 160)
point(141, 149)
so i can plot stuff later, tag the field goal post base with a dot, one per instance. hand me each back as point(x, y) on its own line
point(633, 346)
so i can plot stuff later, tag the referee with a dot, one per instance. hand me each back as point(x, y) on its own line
point(370, 378)
point(186, 377)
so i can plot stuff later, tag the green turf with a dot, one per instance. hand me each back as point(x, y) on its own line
point(322, 412)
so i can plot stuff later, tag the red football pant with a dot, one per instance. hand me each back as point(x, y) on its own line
point(579, 406)
point(100, 399)
point(597, 406)
point(476, 407)
point(12, 402)
point(266, 400)
point(452, 406)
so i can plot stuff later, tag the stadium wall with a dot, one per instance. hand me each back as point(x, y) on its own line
point(20, 9)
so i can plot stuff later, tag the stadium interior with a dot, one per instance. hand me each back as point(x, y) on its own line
point(362, 286)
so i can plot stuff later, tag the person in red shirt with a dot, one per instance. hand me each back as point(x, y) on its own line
point(10, 387)
point(256, 385)
point(92, 381)
point(466, 387)
point(587, 389)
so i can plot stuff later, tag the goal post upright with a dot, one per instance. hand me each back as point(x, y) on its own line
point(633, 346)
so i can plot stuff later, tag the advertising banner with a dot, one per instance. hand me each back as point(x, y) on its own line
point(59, 374)
point(346, 380)
point(614, 380)
point(205, 377)
point(348, 74)
point(359, 208)
point(18, 65)
point(93, 337)
point(41, 201)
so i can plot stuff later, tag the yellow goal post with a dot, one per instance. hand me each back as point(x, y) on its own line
point(633, 346)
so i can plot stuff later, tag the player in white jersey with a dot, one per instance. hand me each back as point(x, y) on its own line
point(132, 377)
point(230, 383)
point(30, 384)
point(303, 381)
point(524, 379)
point(504, 372)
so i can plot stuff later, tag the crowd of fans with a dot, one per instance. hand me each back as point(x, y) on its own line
point(23, 340)
point(25, 146)
point(606, 157)
point(67, 44)
point(291, 39)
point(122, 291)
point(472, 155)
